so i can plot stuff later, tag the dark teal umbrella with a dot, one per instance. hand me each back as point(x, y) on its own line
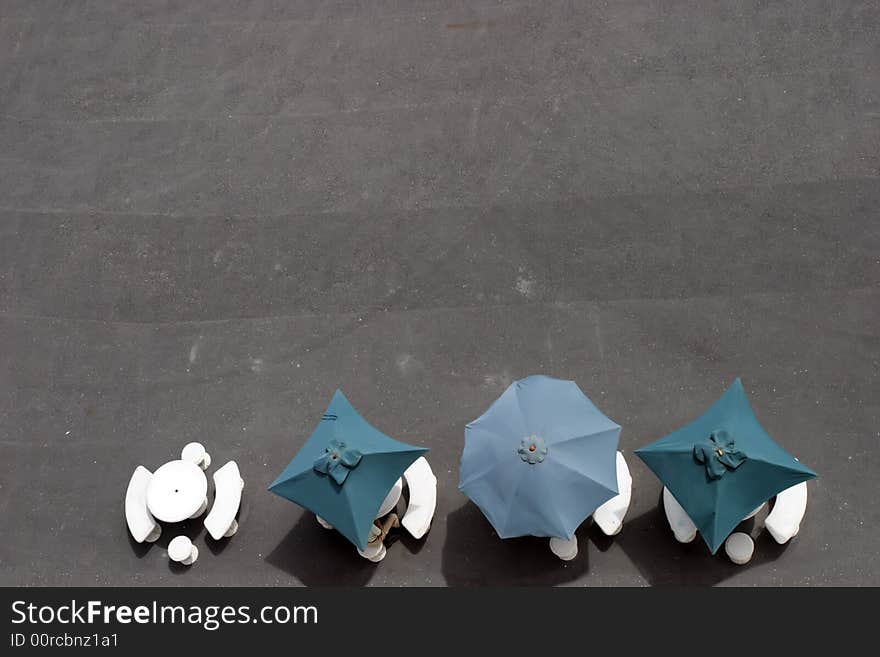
point(345, 470)
point(722, 466)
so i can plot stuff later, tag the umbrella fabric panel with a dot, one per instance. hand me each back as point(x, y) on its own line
point(484, 451)
point(318, 496)
point(560, 410)
point(495, 494)
point(593, 456)
point(535, 501)
point(341, 422)
point(503, 418)
point(734, 413)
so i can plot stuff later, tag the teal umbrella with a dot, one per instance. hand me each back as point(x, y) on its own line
point(722, 466)
point(345, 470)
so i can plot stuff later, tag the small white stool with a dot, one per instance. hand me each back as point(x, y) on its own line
point(739, 548)
point(565, 549)
point(181, 550)
point(374, 554)
point(195, 453)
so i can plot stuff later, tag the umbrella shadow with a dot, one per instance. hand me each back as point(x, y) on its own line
point(663, 561)
point(473, 555)
point(320, 557)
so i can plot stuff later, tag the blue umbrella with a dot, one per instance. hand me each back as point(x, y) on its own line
point(722, 466)
point(345, 470)
point(540, 460)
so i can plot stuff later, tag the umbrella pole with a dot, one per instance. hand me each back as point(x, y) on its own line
point(376, 551)
point(389, 522)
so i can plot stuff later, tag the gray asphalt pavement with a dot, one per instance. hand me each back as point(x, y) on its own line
point(215, 213)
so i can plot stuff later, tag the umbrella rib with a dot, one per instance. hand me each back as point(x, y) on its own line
point(781, 466)
point(521, 409)
point(585, 476)
point(291, 478)
point(348, 509)
point(418, 451)
point(480, 475)
point(666, 450)
point(586, 435)
point(560, 522)
point(510, 506)
point(688, 450)
point(715, 525)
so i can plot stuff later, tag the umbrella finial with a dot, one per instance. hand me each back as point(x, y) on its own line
point(719, 454)
point(532, 449)
point(338, 460)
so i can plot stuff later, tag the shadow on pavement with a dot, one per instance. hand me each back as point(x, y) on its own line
point(473, 555)
point(191, 528)
point(663, 561)
point(320, 557)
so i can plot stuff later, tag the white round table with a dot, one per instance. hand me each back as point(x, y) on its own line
point(177, 491)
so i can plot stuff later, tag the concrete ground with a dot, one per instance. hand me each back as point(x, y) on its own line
point(213, 214)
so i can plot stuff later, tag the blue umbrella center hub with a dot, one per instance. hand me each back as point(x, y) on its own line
point(718, 453)
point(532, 449)
point(338, 461)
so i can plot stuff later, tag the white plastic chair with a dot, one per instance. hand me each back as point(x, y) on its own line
point(141, 524)
point(610, 515)
point(422, 497)
point(784, 521)
point(680, 522)
point(228, 485)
